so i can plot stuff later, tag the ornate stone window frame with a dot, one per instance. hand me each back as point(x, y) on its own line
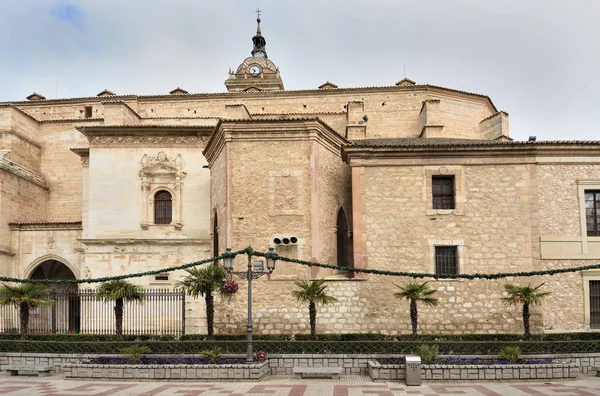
point(459, 189)
point(161, 173)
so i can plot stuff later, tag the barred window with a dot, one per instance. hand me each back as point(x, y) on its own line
point(594, 304)
point(88, 112)
point(442, 188)
point(592, 212)
point(446, 260)
point(163, 207)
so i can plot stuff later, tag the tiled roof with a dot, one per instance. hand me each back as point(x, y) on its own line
point(415, 142)
point(75, 225)
point(262, 93)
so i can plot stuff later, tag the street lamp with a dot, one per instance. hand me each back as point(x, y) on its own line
point(253, 272)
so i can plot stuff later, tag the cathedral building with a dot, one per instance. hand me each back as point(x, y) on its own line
point(406, 177)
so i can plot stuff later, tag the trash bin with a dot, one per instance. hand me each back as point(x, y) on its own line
point(413, 370)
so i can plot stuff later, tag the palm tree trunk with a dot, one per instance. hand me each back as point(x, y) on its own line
point(119, 317)
point(526, 320)
point(312, 311)
point(24, 313)
point(413, 316)
point(210, 313)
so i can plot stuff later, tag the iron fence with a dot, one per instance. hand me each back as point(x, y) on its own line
point(81, 312)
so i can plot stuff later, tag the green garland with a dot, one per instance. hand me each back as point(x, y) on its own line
point(109, 278)
point(251, 252)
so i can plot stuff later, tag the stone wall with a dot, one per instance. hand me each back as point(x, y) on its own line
point(436, 372)
point(278, 364)
point(492, 226)
point(212, 372)
point(21, 200)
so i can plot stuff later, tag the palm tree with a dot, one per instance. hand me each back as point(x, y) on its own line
point(119, 291)
point(525, 295)
point(414, 292)
point(204, 282)
point(313, 293)
point(25, 296)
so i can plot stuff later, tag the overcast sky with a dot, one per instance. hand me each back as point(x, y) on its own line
point(539, 60)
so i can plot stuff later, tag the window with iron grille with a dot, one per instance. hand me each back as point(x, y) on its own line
point(442, 188)
point(446, 260)
point(88, 112)
point(595, 304)
point(592, 212)
point(163, 207)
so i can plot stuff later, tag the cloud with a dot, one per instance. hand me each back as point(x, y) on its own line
point(69, 13)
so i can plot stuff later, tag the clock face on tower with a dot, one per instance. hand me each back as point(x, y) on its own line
point(254, 70)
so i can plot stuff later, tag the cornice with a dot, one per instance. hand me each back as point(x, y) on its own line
point(494, 115)
point(299, 129)
point(140, 241)
point(6, 252)
point(529, 151)
point(77, 225)
point(82, 152)
point(146, 134)
point(23, 173)
point(71, 120)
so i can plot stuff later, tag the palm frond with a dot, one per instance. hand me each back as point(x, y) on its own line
point(113, 290)
point(33, 294)
point(200, 281)
point(313, 291)
point(518, 295)
point(417, 292)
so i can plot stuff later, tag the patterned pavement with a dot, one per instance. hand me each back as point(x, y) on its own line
point(287, 386)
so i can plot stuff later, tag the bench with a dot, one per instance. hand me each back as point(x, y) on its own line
point(16, 369)
point(318, 372)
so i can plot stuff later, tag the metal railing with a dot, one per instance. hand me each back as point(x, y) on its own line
point(80, 312)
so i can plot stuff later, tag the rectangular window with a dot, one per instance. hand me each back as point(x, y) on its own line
point(88, 111)
point(595, 304)
point(442, 188)
point(446, 260)
point(592, 212)
point(162, 277)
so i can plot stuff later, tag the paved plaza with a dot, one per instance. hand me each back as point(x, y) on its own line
point(288, 386)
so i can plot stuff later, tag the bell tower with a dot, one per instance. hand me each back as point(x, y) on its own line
point(257, 72)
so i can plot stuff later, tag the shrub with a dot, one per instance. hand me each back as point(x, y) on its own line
point(428, 353)
point(134, 353)
point(212, 355)
point(510, 353)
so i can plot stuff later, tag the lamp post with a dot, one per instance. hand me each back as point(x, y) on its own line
point(251, 273)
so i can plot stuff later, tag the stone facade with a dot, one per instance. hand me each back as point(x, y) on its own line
point(79, 177)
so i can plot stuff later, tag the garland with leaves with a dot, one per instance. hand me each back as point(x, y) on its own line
point(252, 253)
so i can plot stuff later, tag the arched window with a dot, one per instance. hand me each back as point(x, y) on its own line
point(215, 234)
point(342, 239)
point(163, 207)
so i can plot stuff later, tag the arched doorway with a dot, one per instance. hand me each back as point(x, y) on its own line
point(64, 315)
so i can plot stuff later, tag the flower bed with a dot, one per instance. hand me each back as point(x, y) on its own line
point(162, 360)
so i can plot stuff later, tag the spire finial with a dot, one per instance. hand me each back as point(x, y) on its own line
point(259, 41)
